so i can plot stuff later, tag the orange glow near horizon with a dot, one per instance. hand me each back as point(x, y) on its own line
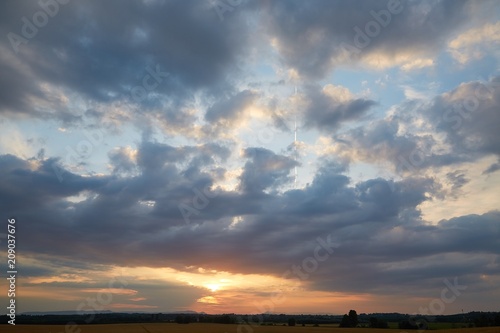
point(303, 301)
point(210, 291)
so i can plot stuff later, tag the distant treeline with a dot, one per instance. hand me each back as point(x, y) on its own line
point(471, 319)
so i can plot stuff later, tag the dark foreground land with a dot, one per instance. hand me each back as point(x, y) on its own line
point(212, 328)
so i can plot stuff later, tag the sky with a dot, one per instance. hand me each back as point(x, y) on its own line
point(148, 155)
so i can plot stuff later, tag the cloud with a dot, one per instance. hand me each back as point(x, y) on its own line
point(457, 179)
point(450, 128)
point(417, 64)
point(265, 169)
point(316, 41)
point(86, 51)
point(123, 159)
point(475, 43)
point(328, 107)
point(468, 117)
point(376, 223)
point(230, 110)
point(492, 168)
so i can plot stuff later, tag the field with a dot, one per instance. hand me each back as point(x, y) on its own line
point(433, 325)
point(212, 328)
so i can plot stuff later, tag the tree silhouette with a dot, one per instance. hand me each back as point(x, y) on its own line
point(353, 318)
point(345, 321)
point(350, 320)
point(378, 323)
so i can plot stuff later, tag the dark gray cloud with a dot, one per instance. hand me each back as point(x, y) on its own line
point(327, 112)
point(265, 169)
point(121, 160)
point(492, 168)
point(457, 180)
point(376, 224)
point(177, 47)
point(381, 140)
point(229, 109)
point(312, 37)
point(468, 116)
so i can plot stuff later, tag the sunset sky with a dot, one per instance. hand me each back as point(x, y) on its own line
point(147, 154)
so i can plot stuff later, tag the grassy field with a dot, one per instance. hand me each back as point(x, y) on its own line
point(432, 326)
point(212, 328)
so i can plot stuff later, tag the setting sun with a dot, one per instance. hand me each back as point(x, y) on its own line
point(213, 286)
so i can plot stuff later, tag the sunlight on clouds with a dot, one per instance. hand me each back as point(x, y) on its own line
point(82, 196)
point(61, 278)
point(407, 61)
point(417, 64)
point(137, 299)
point(53, 100)
point(293, 75)
point(475, 42)
point(14, 142)
point(60, 293)
point(213, 286)
point(230, 180)
point(236, 221)
point(413, 93)
point(281, 301)
point(208, 300)
point(207, 279)
point(324, 146)
point(338, 93)
point(148, 203)
point(118, 291)
point(120, 306)
point(478, 196)
point(487, 33)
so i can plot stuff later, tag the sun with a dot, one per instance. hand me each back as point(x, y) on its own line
point(213, 286)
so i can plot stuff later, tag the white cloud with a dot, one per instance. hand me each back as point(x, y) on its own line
point(478, 196)
point(475, 43)
point(417, 64)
